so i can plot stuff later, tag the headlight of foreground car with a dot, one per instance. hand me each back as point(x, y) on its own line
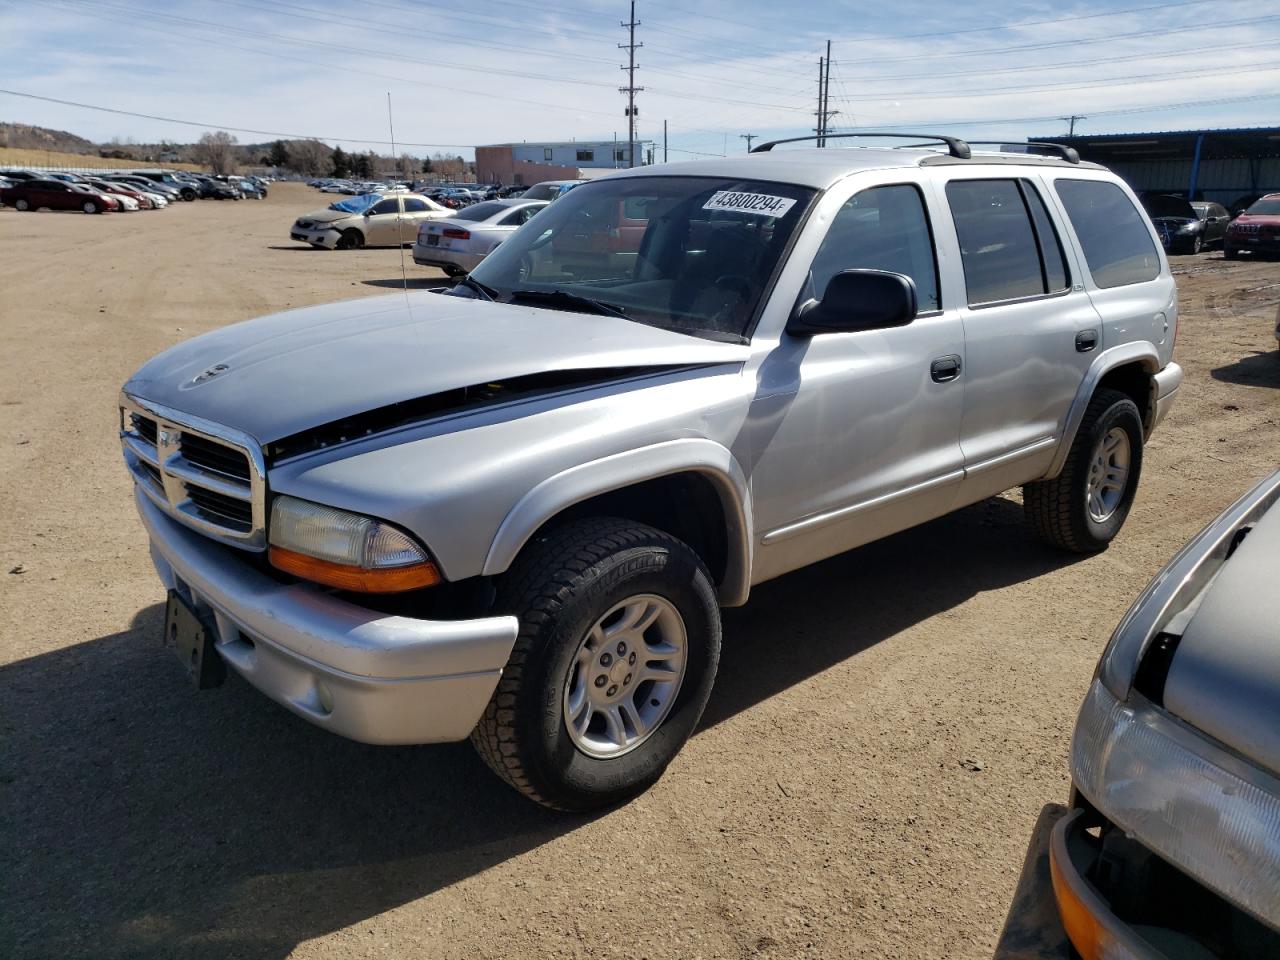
point(346, 550)
point(1141, 770)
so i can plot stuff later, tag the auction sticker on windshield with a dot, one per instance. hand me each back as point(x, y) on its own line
point(761, 204)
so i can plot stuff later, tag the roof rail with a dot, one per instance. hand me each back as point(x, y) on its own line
point(955, 146)
point(1064, 152)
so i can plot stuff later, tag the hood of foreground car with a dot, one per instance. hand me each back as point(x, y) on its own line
point(1224, 677)
point(291, 372)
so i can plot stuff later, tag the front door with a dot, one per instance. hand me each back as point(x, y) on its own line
point(856, 435)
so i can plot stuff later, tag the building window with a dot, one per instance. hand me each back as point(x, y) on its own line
point(546, 153)
point(586, 155)
point(619, 154)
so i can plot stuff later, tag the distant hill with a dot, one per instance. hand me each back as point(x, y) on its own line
point(25, 137)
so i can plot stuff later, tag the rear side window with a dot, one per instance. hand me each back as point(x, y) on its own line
point(414, 205)
point(1113, 234)
point(883, 228)
point(1008, 246)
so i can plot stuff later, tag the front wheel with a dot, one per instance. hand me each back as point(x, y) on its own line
point(616, 656)
point(1083, 508)
point(21, 205)
point(90, 207)
point(350, 240)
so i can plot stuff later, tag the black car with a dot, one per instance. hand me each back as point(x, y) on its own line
point(1215, 218)
point(1179, 227)
point(211, 189)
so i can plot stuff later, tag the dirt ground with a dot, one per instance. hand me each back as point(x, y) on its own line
point(886, 727)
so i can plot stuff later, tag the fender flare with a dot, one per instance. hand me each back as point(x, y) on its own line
point(1138, 351)
point(690, 455)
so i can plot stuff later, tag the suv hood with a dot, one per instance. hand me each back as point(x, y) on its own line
point(290, 372)
point(1225, 674)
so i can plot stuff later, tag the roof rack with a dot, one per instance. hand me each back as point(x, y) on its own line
point(1063, 152)
point(955, 146)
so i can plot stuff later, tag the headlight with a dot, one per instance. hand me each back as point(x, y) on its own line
point(1189, 228)
point(1146, 773)
point(346, 550)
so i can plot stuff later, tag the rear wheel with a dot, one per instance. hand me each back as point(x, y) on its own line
point(351, 239)
point(1083, 508)
point(616, 656)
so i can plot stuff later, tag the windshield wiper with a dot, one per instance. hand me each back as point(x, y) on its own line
point(568, 299)
point(486, 293)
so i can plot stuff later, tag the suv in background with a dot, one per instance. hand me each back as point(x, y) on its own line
point(513, 512)
point(551, 189)
point(1256, 230)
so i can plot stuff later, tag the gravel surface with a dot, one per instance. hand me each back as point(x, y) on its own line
point(886, 727)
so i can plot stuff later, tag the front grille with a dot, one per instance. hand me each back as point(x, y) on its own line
point(215, 457)
point(205, 477)
point(218, 508)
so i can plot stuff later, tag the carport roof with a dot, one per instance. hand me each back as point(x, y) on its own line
point(1249, 143)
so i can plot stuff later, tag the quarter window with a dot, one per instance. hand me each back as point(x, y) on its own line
point(883, 228)
point(998, 245)
point(1115, 238)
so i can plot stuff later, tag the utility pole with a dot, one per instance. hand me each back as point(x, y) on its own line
point(631, 89)
point(824, 112)
point(664, 141)
point(1071, 130)
point(748, 137)
point(819, 112)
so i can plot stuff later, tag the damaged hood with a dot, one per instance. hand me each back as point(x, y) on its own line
point(286, 373)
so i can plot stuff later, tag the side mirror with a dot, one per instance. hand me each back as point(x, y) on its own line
point(1239, 213)
point(857, 300)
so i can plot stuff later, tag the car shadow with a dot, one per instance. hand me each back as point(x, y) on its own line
point(1255, 370)
point(144, 821)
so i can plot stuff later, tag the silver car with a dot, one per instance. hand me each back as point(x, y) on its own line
point(368, 220)
point(457, 243)
point(512, 512)
point(1172, 845)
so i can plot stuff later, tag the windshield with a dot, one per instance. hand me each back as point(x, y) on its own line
point(356, 204)
point(1268, 207)
point(691, 254)
point(1161, 206)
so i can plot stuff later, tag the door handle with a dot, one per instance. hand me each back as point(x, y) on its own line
point(1086, 340)
point(945, 369)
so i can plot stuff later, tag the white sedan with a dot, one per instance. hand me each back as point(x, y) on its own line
point(458, 243)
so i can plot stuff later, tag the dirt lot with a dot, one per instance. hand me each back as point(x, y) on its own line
point(886, 727)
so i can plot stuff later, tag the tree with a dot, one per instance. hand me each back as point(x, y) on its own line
point(426, 165)
point(362, 165)
point(341, 165)
point(311, 158)
point(279, 155)
point(217, 151)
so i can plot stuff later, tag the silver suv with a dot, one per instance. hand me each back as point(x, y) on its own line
point(513, 512)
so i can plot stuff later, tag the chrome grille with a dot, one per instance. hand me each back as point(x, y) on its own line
point(205, 475)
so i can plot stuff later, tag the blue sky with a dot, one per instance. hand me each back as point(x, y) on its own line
point(490, 71)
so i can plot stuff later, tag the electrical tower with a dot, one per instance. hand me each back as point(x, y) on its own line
point(631, 89)
point(748, 137)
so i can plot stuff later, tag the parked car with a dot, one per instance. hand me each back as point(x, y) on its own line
point(211, 189)
point(166, 190)
point(19, 175)
point(459, 242)
point(145, 201)
point(65, 177)
point(551, 189)
point(56, 195)
point(562, 470)
point(371, 220)
point(185, 189)
point(1214, 219)
point(250, 190)
point(125, 204)
point(1172, 845)
point(1180, 228)
point(1256, 231)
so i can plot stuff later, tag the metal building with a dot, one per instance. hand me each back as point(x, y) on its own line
point(1226, 166)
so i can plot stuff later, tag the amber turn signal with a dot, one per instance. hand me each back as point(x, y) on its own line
point(344, 577)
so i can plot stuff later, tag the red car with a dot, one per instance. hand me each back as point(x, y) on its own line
point(56, 195)
point(1255, 231)
point(105, 186)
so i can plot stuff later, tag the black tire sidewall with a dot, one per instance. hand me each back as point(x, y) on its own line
point(1123, 414)
point(559, 770)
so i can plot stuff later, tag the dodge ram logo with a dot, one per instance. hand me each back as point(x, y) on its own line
point(212, 372)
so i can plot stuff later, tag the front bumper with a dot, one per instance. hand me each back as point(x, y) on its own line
point(365, 675)
point(320, 236)
point(1253, 242)
point(425, 256)
point(1167, 381)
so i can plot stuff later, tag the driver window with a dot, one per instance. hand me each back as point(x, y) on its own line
point(883, 228)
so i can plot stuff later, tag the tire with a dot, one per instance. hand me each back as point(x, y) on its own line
point(1196, 245)
point(188, 195)
point(89, 207)
point(351, 239)
point(1061, 511)
point(22, 205)
point(565, 588)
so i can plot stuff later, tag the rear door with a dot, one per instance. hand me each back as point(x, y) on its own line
point(1030, 329)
